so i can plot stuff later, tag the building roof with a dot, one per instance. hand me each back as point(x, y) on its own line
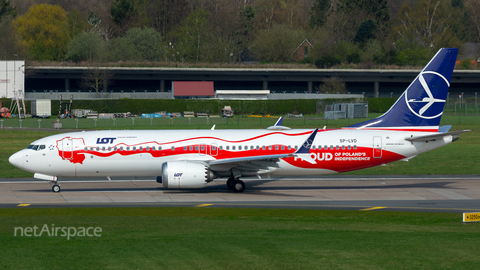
point(193, 88)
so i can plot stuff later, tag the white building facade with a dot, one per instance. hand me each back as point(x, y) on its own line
point(12, 78)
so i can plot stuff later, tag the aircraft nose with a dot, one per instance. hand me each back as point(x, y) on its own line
point(16, 159)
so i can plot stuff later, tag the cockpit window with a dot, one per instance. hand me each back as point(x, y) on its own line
point(36, 147)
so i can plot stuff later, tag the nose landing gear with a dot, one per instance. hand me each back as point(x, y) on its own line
point(55, 187)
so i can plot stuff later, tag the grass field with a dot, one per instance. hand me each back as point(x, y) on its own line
point(460, 157)
point(215, 238)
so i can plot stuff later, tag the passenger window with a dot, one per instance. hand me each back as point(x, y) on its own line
point(98, 148)
point(173, 148)
point(348, 147)
point(354, 147)
point(141, 148)
point(283, 147)
point(109, 148)
point(228, 147)
point(276, 147)
point(251, 147)
point(115, 148)
point(289, 147)
point(343, 147)
point(314, 147)
point(128, 148)
point(103, 148)
point(134, 148)
point(202, 147)
point(221, 147)
point(91, 148)
point(239, 147)
point(263, 147)
point(121, 148)
point(196, 148)
point(153, 148)
point(86, 148)
point(148, 148)
point(213, 147)
point(191, 148)
point(185, 148)
point(325, 147)
point(331, 147)
point(269, 147)
point(296, 147)
point(258, 147)
point(338, 147)
point(233, 147)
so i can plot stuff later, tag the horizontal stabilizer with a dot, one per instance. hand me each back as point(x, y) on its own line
point(434, 136)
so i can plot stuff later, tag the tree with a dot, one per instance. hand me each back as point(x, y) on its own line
point(43, 31)
point(87, 46)
point(277, 44)
point(428, 23)
point(121, 10)
point(473, 9)
point(318, 13)
point(187, 40)
point(6, 9)
point(96, 78)
point(365, 32)
point(137, 44)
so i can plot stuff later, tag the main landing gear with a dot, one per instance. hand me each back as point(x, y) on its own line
point(236, 185)
point(55, 187)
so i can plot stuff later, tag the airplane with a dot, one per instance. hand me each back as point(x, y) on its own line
point(193, 158)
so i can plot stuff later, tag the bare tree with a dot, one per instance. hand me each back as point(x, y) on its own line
point(96, 78)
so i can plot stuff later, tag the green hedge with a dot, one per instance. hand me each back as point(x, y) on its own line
point(380, 105)
point(138, 106)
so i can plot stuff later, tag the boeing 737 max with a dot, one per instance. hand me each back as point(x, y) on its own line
point(193, 158)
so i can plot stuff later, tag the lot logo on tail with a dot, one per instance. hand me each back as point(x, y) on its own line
point(425, 104)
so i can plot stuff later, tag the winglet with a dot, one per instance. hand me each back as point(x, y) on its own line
point(304, 151)
point(278, 125)
point(279, 121)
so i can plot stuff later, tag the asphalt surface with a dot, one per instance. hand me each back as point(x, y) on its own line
point(454, 194)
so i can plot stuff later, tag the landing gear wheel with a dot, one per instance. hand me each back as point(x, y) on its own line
point(230, 183)
point(238, 186)
point(56, 188)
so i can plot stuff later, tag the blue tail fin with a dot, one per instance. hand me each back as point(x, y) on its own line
point(420, 107)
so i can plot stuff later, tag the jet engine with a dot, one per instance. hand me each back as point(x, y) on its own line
point(185, 174)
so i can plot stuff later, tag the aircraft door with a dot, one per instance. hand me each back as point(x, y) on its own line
point(213, 149)
point(377, 147)
point(67, 148)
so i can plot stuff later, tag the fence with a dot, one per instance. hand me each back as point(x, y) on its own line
point(205, 123)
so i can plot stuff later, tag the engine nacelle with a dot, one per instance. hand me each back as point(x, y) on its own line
point(184, 174)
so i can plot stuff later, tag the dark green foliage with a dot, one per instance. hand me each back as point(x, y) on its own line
point(137, 44)
point(85, 46)
point(365, 32)
point(354, 58)
point(327, 61)
point(385, 56)
point(318, 13)
point(120, 10)
point(380, 105)
point(7, 9)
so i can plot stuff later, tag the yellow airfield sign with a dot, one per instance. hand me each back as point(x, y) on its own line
point(471, 217)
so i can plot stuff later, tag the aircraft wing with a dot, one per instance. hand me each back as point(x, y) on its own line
point(263, 163)
point(434, 136)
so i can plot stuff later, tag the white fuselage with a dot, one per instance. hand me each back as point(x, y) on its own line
point(142, 153)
